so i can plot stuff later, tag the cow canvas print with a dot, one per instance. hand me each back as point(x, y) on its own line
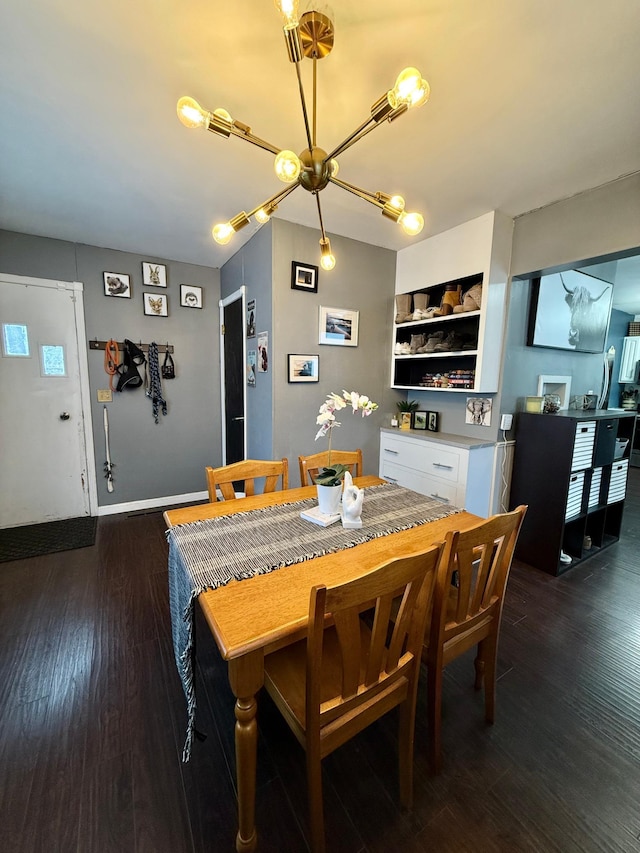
point(570, 311)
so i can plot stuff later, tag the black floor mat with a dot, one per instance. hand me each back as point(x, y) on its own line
point(17, 543)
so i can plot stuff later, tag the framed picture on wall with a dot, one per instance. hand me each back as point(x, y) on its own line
point(154, 274)
point(304, 277)
point(155, 304)
point(190, 296)
point(569, 311)
point(303, 368)
point(117, 284)
point(338, 327)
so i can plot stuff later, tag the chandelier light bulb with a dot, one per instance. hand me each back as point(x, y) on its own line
point(222, 233)
point(412, 223)
point(191, 114)
point(262, 216)
point(410, 89)
point(327, 260)
point(223, 114)
point(397, 201)
point(334, 167)
point(289, 11)
point(287, 166)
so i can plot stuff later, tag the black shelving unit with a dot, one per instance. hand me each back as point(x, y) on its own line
point(566, 470)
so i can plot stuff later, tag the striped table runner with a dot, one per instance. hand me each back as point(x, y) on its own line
point(208, 554)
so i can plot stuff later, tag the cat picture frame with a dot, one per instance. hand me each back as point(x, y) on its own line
point(155, 304)
point(154, 275)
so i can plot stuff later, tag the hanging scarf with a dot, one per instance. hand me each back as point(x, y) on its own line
point(154, 391)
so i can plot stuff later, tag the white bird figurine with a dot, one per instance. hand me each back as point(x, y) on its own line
point(352, 498)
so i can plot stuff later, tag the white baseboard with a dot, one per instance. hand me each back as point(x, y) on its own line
point(153, 503)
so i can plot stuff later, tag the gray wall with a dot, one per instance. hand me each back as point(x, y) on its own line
point(363, 280)
point(251, 266)
point(151, 460)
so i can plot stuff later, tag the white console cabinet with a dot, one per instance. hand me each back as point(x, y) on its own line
point(450, 468)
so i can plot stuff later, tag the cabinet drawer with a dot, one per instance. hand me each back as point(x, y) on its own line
point(422, 456)
point(618, 481)
point(594, 488)
point(417, 482)
point(583, 446)
point(574, 497)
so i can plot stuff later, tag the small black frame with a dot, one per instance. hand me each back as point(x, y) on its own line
point(304, 277)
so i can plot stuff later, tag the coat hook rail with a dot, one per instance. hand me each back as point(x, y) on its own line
point(96, 344)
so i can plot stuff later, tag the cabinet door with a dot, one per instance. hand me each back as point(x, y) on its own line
point(629, 360)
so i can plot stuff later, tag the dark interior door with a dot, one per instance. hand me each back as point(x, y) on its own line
point(234, 381)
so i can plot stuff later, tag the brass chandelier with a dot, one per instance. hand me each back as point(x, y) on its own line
point(312, 36)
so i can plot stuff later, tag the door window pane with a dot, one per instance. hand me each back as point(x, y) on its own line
point(52, 360)
point(15, 340)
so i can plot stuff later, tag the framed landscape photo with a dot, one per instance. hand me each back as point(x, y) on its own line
point(190, 296)
point(304, 277)
point(154, 274)
point(569, 311)
point(155, 304)
point(303, 368)
point(117, 284)
point(338, 327)
point(420, 420)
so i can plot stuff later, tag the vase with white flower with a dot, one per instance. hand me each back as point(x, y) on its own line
point(329, 479)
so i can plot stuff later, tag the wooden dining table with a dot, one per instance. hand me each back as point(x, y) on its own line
point(253, 617)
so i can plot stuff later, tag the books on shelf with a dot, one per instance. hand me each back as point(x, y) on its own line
point(322, 519)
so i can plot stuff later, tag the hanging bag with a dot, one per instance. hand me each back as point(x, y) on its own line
point(168, 367)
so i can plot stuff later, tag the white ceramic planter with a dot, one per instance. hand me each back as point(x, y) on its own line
point(329, 499)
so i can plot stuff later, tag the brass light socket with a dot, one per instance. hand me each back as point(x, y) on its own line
point(294, 46)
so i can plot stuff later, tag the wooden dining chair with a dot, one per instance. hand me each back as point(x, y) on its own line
point(467, 609)
point(248, 471)
point(346, 675)
point(310, 465)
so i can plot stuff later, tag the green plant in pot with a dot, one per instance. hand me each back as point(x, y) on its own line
point(406, 407)
point(332, 475)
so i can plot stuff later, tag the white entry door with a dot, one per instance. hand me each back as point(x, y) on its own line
point(44, 433)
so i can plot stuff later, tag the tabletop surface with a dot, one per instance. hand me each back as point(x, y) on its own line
point(265, 611)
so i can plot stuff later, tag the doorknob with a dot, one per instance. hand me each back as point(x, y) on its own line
point(64, 416)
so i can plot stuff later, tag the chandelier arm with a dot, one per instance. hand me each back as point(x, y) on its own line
point(315, 66)
point(304, 106)
point(275, 199)
point(363, 194)
point(317, 195)
point(254, 140)
point(346, 142)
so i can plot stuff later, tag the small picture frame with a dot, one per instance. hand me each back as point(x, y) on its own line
point(338, 327)
point(432, 421)
point(419, 420)
point(303, 368)
point(117, 284)
point(406, 420)
point(155, 304)
point(154, 275)
point(304, 277)
point(190, 296)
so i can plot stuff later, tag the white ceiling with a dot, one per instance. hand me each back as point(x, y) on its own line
point(532, 101)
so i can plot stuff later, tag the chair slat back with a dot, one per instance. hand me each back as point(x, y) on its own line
point(474, 573)
point(246, 472)
point(376, 660)
point(310, 465)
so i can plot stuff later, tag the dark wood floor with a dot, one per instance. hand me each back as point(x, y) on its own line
point(92, 720)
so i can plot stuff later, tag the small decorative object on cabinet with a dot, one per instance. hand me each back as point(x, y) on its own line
point(451, 468)
point(566, 470)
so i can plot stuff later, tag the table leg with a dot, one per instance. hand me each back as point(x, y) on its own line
point(246, 676)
